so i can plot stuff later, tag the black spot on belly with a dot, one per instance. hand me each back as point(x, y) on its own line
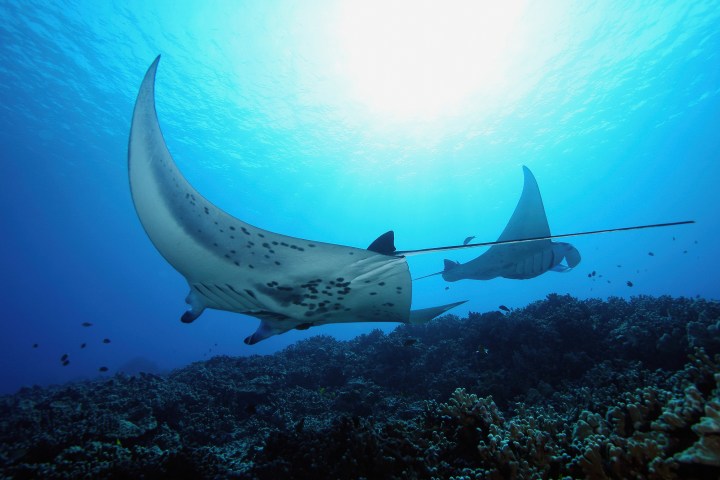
point(207, 211)
point(261, 235)
point(382, 284)
point(275, 243)
point(373, 293)
point(244, 230)
point(340, 279)
point(232, 251)
point(232, 228)
point(311, 245)
point(236, 263)
point(250, 266)
point(277, 263)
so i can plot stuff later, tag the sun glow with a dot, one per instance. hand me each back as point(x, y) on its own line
point(422, 59)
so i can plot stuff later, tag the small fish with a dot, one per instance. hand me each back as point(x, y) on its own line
point(409, 342)
point(619, 266)
point(64, 357)
point(103, 369)
point(106, 340)
point(589, 275)
point(594, 273)
point(83, 345)
point(35, 345)
point(504, 308)
point(65, 363)
point(651, 254)
point(629, 283)
point(86, 324)
point(684, 251)
point(673, 239)
point(447, 288)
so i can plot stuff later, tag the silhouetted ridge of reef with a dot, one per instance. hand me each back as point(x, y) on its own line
point(561, 388)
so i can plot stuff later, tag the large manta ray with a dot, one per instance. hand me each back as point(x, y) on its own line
point(519, 260)
point(231, 265)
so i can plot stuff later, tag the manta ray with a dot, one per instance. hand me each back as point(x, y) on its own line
point(519, 260)
point(525, 248)
point(285, 282)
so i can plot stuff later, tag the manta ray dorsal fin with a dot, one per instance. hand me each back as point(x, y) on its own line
point(384, 244)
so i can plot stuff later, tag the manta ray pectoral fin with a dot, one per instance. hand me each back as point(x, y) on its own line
point(424, 315)
point(196, 307)
point(384, 244)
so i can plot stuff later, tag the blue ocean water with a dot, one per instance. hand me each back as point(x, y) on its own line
point(337, 121)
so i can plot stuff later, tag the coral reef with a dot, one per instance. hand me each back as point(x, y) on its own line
point(560, 389)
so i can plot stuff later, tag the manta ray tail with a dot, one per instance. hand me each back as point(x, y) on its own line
point(421, 251)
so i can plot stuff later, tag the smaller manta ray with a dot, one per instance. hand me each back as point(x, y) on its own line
point(519, 260)
point(524, 249)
